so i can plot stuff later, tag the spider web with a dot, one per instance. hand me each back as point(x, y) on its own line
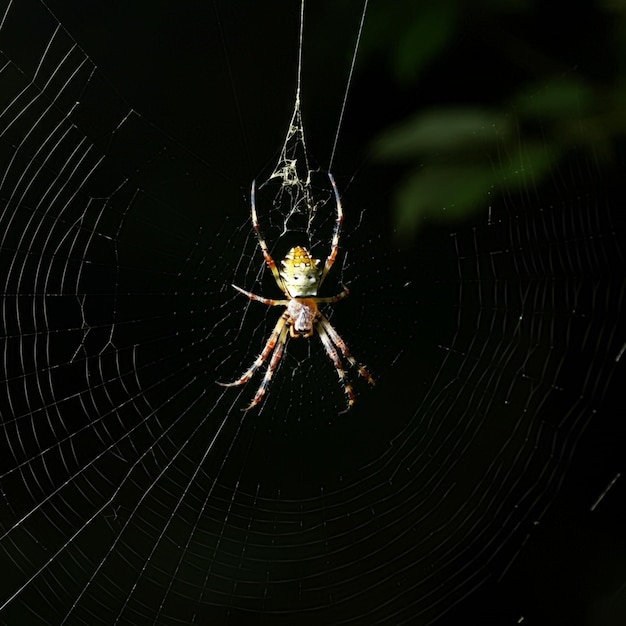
point(135, 490)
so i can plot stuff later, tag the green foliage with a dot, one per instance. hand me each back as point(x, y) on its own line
point(554, 99)
point(443, 130)
point(410, 34)
point(422, 40)
point(451, 192)
point(443, 192)
point(458, 156)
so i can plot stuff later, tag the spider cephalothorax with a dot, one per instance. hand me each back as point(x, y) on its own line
point(299, 279)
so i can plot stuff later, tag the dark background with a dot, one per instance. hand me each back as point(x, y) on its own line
point(218, 78)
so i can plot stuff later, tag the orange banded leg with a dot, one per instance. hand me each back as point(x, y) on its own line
point(274, 338)
point(268, 301)
point(264, 249)
point(271, 368)
point(334, 247)
point(334, 357)
point(339, 296)
point(341, 344)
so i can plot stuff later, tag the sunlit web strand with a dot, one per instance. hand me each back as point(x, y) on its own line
point(390, 515)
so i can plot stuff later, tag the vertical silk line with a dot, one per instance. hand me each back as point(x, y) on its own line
point(349, 82)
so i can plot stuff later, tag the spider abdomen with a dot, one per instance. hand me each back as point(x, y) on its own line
point(302, 313)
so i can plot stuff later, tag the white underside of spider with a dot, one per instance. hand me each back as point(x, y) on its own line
point(299, 279)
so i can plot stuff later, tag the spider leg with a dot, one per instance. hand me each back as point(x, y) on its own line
point(334, 357)
point(264, 249)
point(271, 368)
point(339, 296)
point(268, 301)
point(336, 232)
point(341, 344)
point(274, 338)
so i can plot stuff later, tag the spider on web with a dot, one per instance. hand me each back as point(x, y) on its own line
point(300, 279)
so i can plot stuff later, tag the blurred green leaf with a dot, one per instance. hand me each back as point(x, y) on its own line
point(442, 193)
point(410, 34)
point(455, 192)
point(443, 130)
point(568, 97)
point(530, 161)
point(422, 39)
point(559, 100)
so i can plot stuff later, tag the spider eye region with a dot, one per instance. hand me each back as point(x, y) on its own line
point(300, 273)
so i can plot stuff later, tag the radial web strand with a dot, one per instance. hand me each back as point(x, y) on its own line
point(134, 489)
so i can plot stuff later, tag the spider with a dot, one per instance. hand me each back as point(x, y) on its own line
point(299, 279)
